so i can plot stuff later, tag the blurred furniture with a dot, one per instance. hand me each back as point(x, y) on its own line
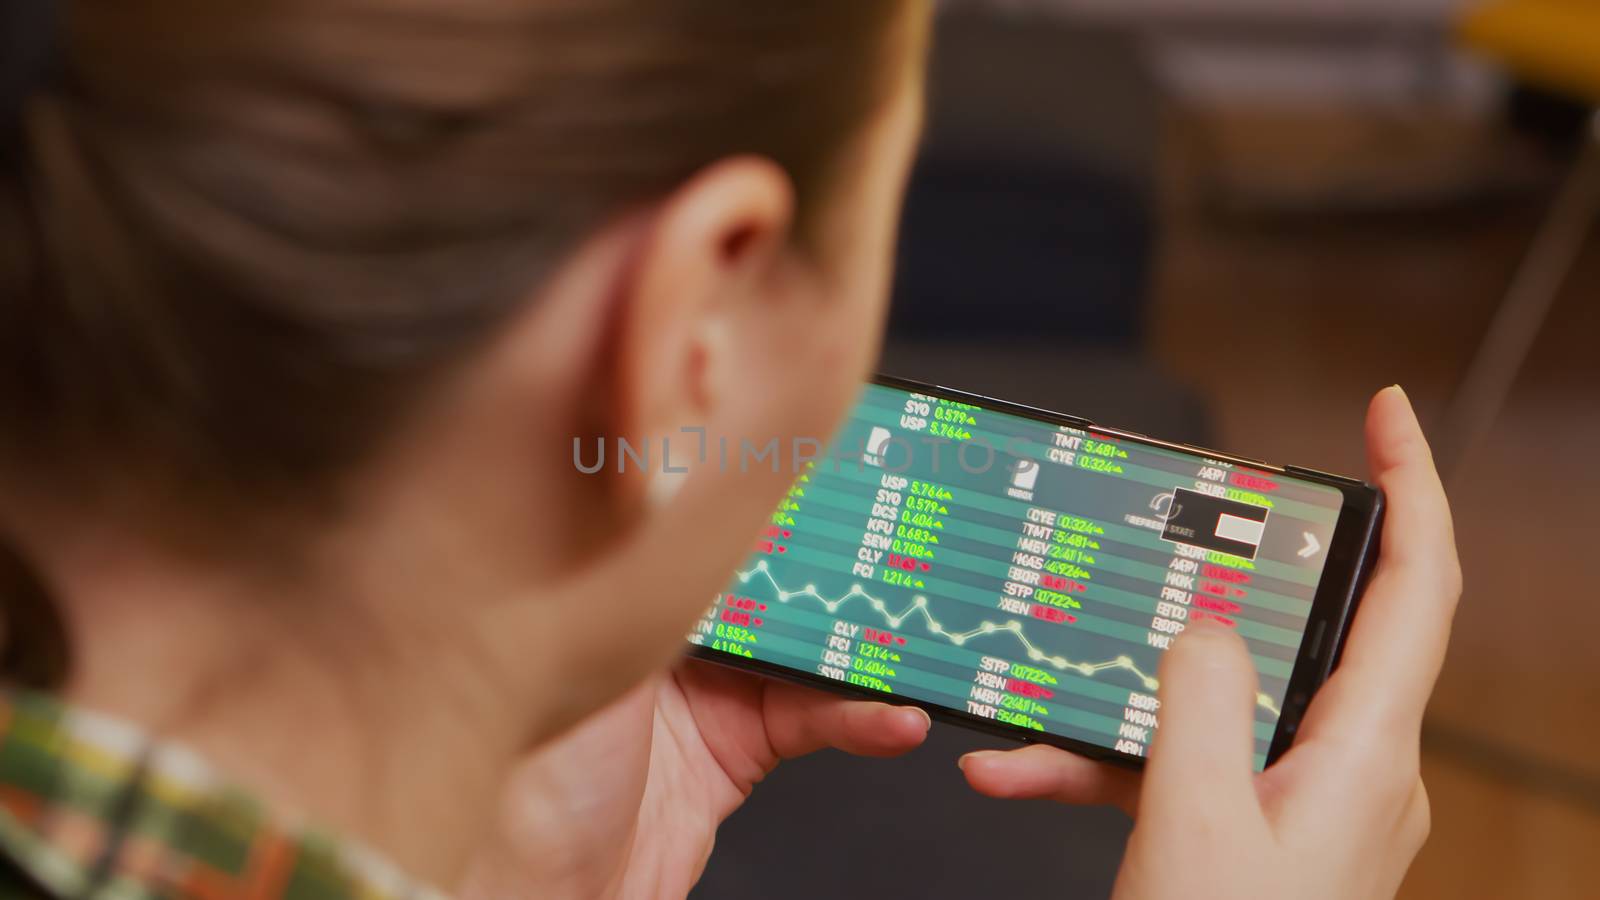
point(1386, 69)
point(1554, 44)
point(1030, 211)
point(26, 27)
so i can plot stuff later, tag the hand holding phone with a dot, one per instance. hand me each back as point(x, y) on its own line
point(1022, 572)
point(627, 804)
point(1343, 812)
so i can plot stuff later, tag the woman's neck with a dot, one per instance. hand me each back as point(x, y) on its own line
point(390, 728)
point(383, 680)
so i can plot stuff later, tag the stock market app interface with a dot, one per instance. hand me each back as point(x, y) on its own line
point(1023, 572)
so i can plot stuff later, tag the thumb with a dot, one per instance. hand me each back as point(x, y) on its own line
point(1205, 744)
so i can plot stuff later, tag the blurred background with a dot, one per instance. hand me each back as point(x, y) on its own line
point(1239, 219)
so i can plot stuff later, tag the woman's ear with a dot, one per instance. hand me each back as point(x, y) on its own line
point(715, 252)
point(698, 295)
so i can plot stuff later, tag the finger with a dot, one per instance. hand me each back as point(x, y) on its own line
point(801, 721)
point(1205, 745)
point(1046, 773)
point(1397, 641)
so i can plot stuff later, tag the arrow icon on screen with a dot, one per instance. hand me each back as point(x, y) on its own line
point(1311, 548)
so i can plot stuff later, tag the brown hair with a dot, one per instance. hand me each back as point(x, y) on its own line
point(237, 239)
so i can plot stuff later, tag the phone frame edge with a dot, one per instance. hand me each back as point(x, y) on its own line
point(1356, 536)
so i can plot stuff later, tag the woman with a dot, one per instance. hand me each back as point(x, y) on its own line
point(302, 306)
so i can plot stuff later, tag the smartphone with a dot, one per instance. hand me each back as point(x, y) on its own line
point(1020, 572)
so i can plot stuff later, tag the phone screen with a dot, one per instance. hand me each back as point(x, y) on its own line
point(1024, 572)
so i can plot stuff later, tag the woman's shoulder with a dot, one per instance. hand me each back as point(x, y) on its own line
point(89, 802)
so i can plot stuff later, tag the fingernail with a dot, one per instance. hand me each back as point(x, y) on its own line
point(978, 754)
point(927, 720)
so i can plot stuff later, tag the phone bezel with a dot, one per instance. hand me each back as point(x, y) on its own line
point(1351, 557)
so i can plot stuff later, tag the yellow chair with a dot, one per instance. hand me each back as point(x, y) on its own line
point(1552, 43)
point(1555, 45)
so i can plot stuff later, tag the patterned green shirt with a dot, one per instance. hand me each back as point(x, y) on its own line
point(91, 808)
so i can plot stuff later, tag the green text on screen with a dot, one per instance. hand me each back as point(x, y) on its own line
point(1022, 572)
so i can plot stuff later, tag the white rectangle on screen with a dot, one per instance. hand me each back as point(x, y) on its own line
point(1244, 531)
